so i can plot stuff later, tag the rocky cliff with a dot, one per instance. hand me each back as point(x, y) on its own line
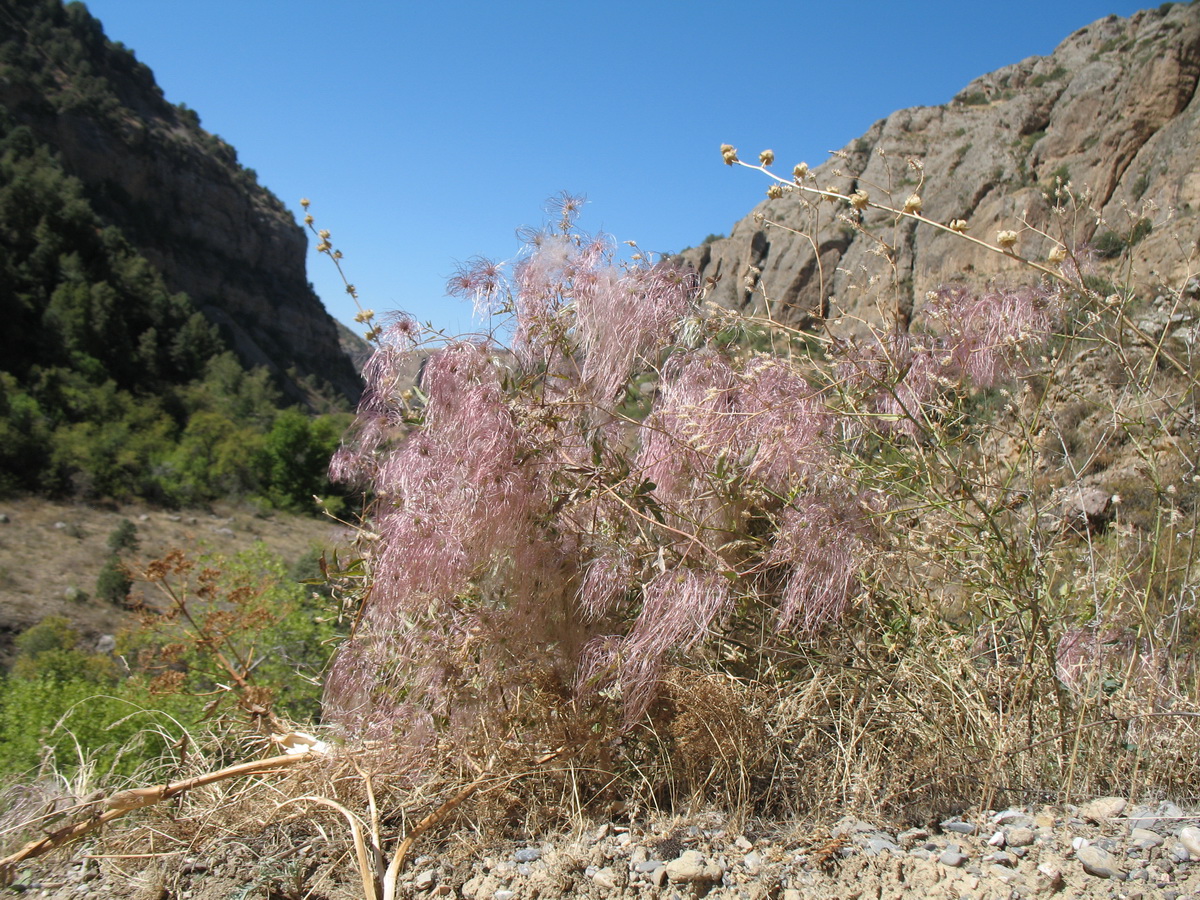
point(174, 190)
point(1113, 112)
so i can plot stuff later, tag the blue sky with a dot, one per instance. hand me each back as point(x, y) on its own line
point(426, 133)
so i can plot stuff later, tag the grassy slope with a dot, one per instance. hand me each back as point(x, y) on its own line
point(40, 562)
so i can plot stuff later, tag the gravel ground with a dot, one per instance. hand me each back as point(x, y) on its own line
point(1104, 848)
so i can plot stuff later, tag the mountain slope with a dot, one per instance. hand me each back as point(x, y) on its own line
point(176, 192)
point(1113, 111)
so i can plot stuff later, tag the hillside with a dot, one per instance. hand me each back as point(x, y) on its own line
point(1113, 111)
point(174, 191)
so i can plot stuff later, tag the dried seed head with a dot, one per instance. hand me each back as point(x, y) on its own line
point(859, 199)
point(766, 157)
point(913, 204)
point(308, 219)
point(304, 202)
point(959, 225)
point(729, 154)
point(800, 171)
point(1007, 240)
point(1057, 253)
point(775, 191)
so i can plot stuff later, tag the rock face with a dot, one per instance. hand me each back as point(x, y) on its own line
point(1113, 111)
point(176, 192)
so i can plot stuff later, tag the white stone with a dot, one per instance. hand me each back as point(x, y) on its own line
point(1189, 836)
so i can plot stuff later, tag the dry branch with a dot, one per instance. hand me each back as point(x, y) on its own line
point(123, 801)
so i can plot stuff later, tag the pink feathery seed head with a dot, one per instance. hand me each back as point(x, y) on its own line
point(461, 367)
point(689, 426)
point(782, 423)
point(567, 207)
point(679, 608)
point(985, 332)
point(606, 579)
point(480, 280)
point(597, 667)
point(1080, 261)
point(821, 543)
point(401, 332)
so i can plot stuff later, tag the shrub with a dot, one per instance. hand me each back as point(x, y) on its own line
point(518, 511)
point(861, 522)
point(113, 582)
point(123, 537)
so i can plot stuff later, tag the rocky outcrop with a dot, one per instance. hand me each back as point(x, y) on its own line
point(175, 191)
point(1113, 112)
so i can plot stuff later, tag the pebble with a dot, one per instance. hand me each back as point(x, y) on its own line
point(878, 844)
point(1189, 836)
point(1146, 815)
point(424, 880)
point(692, 868)
point(1098, 861)
point(1146, 839)
point(959, 827)
point(952, 856)
point(606, 878)
point(1102, 809)
point(1020, 837)
point(528, 854)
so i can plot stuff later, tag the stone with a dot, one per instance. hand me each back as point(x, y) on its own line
point(1088, 509)
point(1145, 839)
point(692, 868)
point(1020, 837)
point(877, 844)
point(1013, 817)
point(1102, 809)
point(606, 878)
point(959, 827)
point(528, 854)
point(952, 857)
point(1098, 861)
point(425, 880)
point(1048, 879)
point(1189, 836)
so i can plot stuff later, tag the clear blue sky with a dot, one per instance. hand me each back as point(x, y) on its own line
point(425, 132)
